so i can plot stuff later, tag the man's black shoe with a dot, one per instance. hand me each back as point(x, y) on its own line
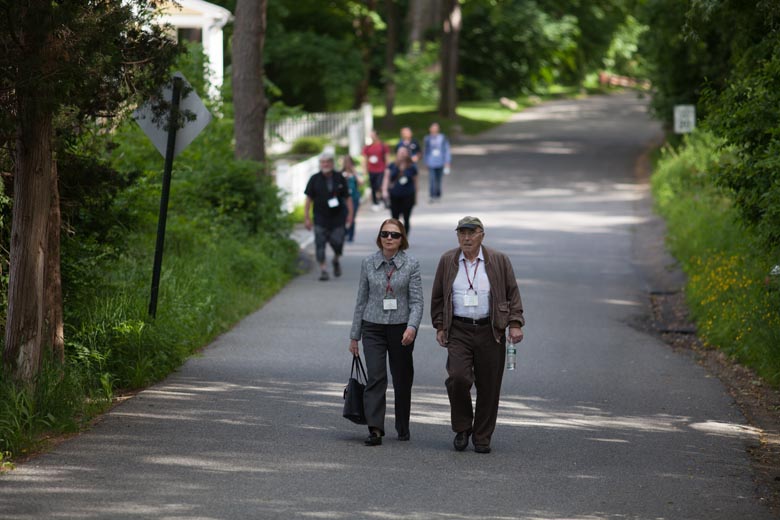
point(461, 440)
point(481, 448)
point(403, 437)
point(336, 269)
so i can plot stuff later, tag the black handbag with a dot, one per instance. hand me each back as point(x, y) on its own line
point(353, 393)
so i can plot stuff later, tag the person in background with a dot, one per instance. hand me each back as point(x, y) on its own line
point(354, 181)
point(437, 159)
point(473, 300)
point(327, 192)
point(388, 311)
point(375, 155)
point(410, 143)
point(400, 185)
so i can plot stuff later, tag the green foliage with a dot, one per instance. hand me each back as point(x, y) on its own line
point(112, 54)
point(521, 45)
point(747, 114)
point(623, 57)
point(309, 145)
point(734, 307)
point(55, 401)
point(417, 76)
point(311, 53)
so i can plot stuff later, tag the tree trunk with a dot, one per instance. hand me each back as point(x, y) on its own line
point(248, 89)
point(422, 15)
point(24, 333)
point(448, 94)
point(391, 12)
point(364, 30)
point(54, 336)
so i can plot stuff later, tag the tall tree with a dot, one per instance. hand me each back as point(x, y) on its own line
point(364, 33)
point(60, 64)
point(249, 98)
point(422, 16)
point(391, 15)
point(451, 26)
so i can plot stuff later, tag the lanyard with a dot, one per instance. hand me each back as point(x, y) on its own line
point(466, 268)
point(388, 287)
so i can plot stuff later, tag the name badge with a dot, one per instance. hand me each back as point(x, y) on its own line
point(333, 202)
point(373, 159)
point(390, 304)
point(403, 180)
point(470, 299)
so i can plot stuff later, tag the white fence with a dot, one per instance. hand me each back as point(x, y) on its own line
point(350, 128)
point(292, 179)
point(345, 128)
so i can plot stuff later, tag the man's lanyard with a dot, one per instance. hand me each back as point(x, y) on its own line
point(466, 268)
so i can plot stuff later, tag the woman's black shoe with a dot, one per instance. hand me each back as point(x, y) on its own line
point(373, 440)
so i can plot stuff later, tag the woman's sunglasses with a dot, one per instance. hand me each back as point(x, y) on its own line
point(392, 234)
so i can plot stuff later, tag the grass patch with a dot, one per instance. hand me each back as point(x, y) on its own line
point(735, 303)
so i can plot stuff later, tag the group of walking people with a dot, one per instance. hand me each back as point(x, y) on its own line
point(475, 308)
point(335, 196)
point(475, 301)
point(395, 184)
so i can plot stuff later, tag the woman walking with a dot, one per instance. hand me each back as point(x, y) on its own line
point(387, 315)
point(400, 185)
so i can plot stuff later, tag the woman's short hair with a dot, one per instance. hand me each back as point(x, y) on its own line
point(404, 242)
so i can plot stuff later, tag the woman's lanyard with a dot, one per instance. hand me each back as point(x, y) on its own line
point(389, 303)
point(470, 298)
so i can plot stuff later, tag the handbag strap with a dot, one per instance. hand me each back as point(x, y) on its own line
point(357, 369)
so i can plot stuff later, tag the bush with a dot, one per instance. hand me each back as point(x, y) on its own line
point(309, 145)
point(227, 250)
point(734, 307)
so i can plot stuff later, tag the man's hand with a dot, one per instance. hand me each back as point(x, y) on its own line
point(441, 338)
point(307, 223)
point(515, 334)
point(353, 347)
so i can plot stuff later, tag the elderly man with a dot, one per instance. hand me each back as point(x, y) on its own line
point(473, 301)
point(328, 192)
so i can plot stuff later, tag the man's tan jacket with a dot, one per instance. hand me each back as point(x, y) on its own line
point(506, 308)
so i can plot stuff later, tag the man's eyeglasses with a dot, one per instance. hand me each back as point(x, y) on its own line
point(468, 232)
point(392, 234)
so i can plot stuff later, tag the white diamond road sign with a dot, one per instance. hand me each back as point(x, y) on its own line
point(157, 133)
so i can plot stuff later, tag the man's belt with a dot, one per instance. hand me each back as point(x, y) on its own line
point(472, 321)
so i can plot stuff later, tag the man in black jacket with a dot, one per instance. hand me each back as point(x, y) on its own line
point(328, 192)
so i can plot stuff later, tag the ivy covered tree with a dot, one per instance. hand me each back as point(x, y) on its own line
point(62, 64)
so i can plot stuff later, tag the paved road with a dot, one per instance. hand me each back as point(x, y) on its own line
point(600, 421)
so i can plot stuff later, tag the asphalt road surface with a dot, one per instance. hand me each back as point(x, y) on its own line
point(600, 420)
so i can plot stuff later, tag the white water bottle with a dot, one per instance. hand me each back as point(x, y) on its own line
point(511, 355)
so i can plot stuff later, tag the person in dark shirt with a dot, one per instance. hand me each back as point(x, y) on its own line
point(328, 193)
point(410, 143)
point(400, 185)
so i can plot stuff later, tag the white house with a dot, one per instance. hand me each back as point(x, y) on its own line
point(196, 20)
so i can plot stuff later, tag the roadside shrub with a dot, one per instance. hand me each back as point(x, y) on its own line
point(735, 309)
point(309, 145)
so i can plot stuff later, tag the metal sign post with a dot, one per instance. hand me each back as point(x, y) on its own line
point(166, 191)
point(170, 140)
